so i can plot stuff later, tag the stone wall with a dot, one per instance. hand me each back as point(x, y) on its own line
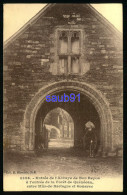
point(28, 60)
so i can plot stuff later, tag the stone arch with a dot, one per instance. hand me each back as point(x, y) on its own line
point(95, 97)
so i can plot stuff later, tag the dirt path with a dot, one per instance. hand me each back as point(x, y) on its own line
point(63, 162)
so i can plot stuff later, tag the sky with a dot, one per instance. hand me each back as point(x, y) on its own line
point(16, 15)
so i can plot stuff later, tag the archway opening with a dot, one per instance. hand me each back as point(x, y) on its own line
point(80, 111)
point(60, 129)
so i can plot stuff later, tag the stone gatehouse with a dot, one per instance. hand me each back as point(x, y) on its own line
point(65, 48)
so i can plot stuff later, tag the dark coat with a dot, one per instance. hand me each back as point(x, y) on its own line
point(88, 137)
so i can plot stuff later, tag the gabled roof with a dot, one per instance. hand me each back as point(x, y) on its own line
point(43, 11)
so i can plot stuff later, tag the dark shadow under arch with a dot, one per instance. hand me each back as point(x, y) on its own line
point(81, 112)
point(94, 96)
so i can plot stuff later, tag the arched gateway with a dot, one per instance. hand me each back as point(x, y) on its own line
point(94, 96)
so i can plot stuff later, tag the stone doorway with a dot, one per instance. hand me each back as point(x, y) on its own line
point(81, 112)
point(93, 106)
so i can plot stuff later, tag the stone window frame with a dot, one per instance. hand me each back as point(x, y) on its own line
point(80, 54)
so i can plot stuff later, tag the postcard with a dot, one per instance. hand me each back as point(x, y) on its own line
point(63, 98)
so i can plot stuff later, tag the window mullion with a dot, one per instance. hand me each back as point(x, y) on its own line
point(69, 43)
point(69, 64)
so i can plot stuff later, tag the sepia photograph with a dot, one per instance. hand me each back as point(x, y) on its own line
point(63, 97)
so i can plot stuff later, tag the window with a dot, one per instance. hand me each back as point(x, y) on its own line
point(63, 43)
point(69, 51)
point(63, 64)
point(75, 43)
point(75, 66)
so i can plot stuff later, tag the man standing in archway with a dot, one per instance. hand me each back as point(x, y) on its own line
point(90, 139)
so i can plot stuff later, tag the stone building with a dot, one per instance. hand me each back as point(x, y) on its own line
point(60, 119)
point(65, 124)
point(65, 48)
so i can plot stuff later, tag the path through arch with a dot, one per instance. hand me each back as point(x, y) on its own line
point(89, 93)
